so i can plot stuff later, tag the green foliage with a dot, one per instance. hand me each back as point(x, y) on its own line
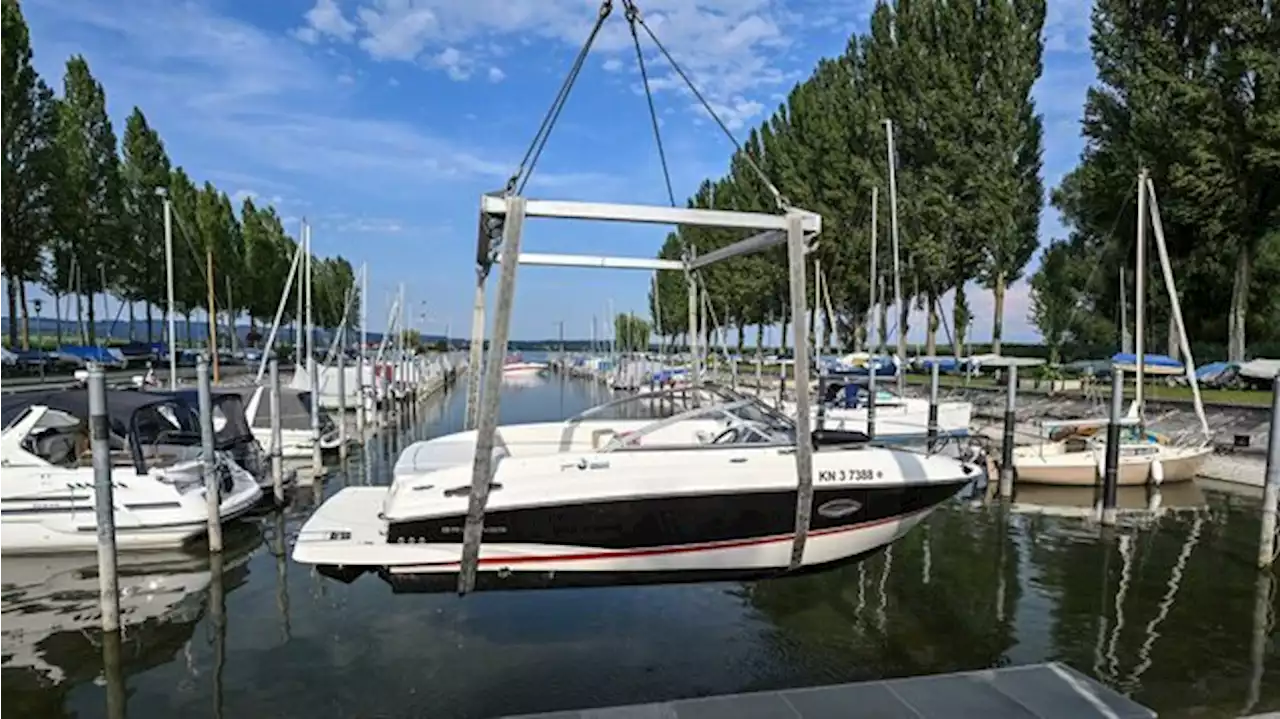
point(1057, 296)
point(83, 216)
point(30, 169)
point(955, 78)
point(631, 333)
point(1193, 94)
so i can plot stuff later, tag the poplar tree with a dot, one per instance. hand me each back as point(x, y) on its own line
point(29, 128)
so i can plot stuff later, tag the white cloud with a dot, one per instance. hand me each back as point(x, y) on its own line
point(457, 66)
point(245, 98)
point(496, 74)
point(325, 19)
point(731, 48)
point(346, 79)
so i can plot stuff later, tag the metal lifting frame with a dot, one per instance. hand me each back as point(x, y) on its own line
point(502, 223)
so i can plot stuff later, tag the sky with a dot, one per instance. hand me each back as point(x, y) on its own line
point(383, 121)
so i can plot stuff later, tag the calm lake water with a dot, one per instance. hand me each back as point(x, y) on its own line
point(1168, 611)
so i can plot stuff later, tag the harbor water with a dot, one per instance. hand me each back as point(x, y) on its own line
point(1166, 609)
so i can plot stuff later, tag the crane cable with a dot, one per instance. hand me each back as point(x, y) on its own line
point(521, 176)
point(633, 16)
point(778, 198)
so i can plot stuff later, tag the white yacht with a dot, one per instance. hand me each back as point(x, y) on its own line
point(47, 499)
point(707, 493)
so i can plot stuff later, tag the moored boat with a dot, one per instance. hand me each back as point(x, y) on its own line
point(708, 493)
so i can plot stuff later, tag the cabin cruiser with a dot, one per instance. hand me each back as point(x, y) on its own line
point(707, 493)
point(898, 419)
point(233, 435)
point(47, 499)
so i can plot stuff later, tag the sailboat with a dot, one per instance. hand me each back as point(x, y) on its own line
point(1075, 455)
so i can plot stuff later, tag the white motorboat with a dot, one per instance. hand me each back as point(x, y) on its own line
point(234, 435)
point(47, 499)
point(1077, 458)
point(295, 423)
point(708, 493)
point(516, 366)
point(898, 419)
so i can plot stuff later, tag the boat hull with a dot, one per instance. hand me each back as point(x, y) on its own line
point(1081, 469)
point(140, 525)
point(636, 542)
point(523, 369)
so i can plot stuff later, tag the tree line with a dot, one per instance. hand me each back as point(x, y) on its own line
point(83, 216)
point(1188, 93)
point(955, 77)
point(1192, 94)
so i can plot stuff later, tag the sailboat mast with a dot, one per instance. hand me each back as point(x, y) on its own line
point(897, 262)
point(213, 317)
point(1140, 299)
point(875, 276)
point(1167, 269)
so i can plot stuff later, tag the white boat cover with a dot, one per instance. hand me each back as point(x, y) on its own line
point(1260, 369)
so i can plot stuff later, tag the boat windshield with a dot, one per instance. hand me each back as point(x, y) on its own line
point(738, 419)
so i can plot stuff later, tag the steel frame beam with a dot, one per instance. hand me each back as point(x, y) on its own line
point(598, 262)
point(653, 214)
point(797, 227)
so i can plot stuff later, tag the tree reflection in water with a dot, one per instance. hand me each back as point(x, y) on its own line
point(1161, 609)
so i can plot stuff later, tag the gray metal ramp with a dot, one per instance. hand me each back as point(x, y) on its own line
point(1037, 691)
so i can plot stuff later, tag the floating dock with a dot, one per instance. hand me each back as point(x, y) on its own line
point(1037, 691)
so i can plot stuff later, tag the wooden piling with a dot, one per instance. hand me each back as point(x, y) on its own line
point(277, 434)
point(1271, 491)
point(104, 502)
point(212, 487)
point(933, 406)
point(1111, 470)
point(1010, 422)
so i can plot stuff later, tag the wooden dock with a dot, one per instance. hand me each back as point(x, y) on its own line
point(1037, 691)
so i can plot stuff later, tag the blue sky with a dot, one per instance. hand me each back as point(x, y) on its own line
point(382, 121)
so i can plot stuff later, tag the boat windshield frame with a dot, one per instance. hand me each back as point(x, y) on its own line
point(771, 426)
point(719, 395)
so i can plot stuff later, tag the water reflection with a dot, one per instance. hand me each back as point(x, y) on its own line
point(51, 630)
point(1166, 607)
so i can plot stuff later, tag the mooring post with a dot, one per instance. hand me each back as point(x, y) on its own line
point(212, 489)
point(933, 406)
point(317, 458)
point(782, 381)
point(1271, 491)
point(104, 501)
point(1006, 442)
point(277, 434)
point(804, 437)
point(482, 467)
point(475, 352)
point(1112, 467)
point(871, 399)
point(113, 673)
point(342, 394)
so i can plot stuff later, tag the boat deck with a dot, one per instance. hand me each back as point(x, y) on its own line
point(1037, 691)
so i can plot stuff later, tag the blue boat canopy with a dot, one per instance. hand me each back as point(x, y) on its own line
point(1155, 364)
